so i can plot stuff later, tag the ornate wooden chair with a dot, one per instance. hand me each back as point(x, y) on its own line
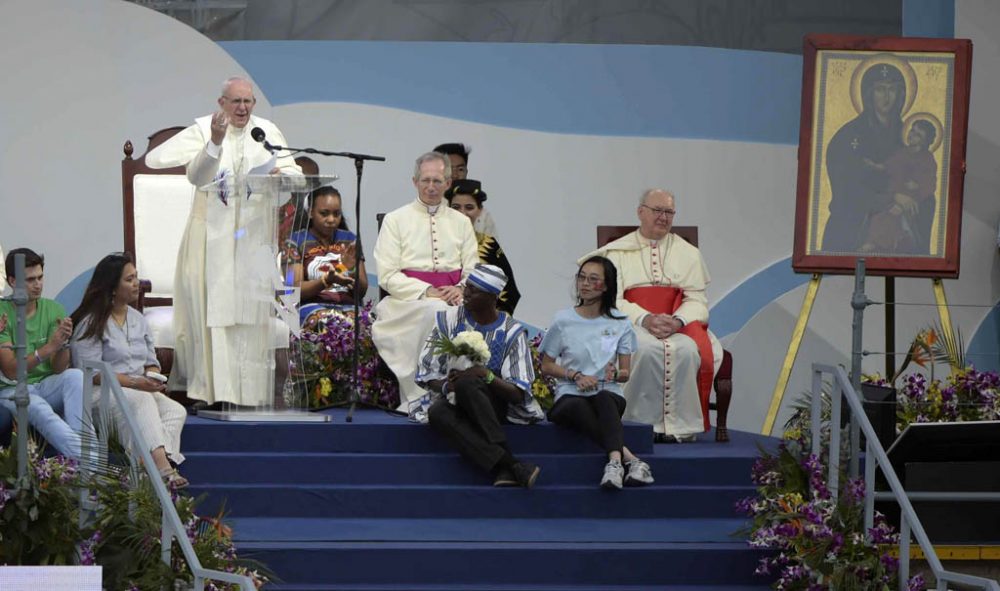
point(156, 204)
point(724, 377)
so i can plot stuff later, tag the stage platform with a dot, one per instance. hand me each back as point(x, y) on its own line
point(383, 503)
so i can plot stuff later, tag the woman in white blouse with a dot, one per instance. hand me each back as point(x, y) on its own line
point(108, 329)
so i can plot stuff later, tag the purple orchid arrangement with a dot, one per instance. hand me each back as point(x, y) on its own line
point(323, 360)
point(818, 541)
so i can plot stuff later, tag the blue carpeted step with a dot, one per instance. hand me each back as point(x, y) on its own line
point(282, 530)
point(506, 563)
point(554, 501)
point(385, 504)
point(442, 468)
point(390, 435)
point(488, 587)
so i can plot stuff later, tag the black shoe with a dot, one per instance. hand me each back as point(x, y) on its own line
point(505, 477)
point(525, 473)
point(194, 407)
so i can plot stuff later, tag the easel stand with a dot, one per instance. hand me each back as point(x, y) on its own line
point(859, 302)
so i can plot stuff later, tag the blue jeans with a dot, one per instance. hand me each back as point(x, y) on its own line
point(58, 391)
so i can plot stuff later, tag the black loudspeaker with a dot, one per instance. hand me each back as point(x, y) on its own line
point(880, 406)
point(950, 457)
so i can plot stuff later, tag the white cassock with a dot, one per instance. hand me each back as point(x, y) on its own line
point(663, 389)
point(216, 324)
point(413, 238)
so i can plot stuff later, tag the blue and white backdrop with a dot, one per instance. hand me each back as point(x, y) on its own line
point(565, 137)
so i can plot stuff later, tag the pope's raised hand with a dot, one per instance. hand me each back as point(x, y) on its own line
point(220, 121)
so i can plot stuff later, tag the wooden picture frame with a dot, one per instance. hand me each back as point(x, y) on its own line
point(882, 155)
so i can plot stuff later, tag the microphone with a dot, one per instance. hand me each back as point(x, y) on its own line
point(258, 135)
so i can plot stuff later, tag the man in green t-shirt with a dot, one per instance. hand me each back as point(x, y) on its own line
point(51, 381)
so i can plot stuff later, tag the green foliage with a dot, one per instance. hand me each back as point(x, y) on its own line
point(129, 551)
point(39, 516)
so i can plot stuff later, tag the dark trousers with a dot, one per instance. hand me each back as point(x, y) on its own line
point(599, 417)
point(473, 423)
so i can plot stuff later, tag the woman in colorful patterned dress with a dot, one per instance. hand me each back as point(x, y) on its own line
point(326, 256)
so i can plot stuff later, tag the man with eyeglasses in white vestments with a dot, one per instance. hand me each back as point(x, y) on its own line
point(214, 316)
point(424, 252)
point(661, 287)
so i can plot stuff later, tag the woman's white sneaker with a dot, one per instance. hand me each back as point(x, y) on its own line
point(613, 473)
point(639, 473)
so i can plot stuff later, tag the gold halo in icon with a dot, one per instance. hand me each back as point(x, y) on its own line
point(909, 79)
point(930, 118)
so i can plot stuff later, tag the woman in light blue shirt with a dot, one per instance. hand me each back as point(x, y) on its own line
point(588, 350)
point(108, 329)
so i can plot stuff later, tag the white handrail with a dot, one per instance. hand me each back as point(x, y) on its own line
point(909, 520)
point(172, 526)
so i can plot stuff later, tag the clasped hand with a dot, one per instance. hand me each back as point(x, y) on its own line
point(476, 371)
point(147, 384)
point(661, 326)
point(452, 294)
point(339, 278)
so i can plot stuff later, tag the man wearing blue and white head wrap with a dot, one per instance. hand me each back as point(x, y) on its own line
point(483, 396)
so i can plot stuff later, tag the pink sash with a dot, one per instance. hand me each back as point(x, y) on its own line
point(436, 278)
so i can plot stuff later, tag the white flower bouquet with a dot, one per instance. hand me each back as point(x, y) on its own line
point(464, 350)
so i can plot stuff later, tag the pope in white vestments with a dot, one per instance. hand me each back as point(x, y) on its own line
point(424, 251)
point(216, 325)
point(661, 286)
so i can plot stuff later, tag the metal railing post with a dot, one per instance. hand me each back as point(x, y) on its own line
point(858, 303)
point(833, 477)
point(869, 487)
point(816, 417)
point(904, 552)
point(21, 398)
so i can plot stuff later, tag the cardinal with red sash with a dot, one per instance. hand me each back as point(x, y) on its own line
point(661, 282)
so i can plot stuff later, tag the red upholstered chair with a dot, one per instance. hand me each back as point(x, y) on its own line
point(724, 377)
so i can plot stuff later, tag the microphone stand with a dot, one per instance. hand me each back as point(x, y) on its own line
point(359, 165)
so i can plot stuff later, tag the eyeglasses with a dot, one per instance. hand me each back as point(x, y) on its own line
point(657, 212)
point(240, 101)
point(428, 182)
point(590, 279)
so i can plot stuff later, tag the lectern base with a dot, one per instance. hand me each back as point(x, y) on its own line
point(265, 416)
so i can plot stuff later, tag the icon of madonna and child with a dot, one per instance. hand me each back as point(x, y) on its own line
point(881, 167)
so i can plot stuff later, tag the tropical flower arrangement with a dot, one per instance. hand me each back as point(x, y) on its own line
point(966, 394)
point(322, 361)
point(819, 542)
point(40, 524)
point(543, 388)
point(464, 350)
point(125, 540)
